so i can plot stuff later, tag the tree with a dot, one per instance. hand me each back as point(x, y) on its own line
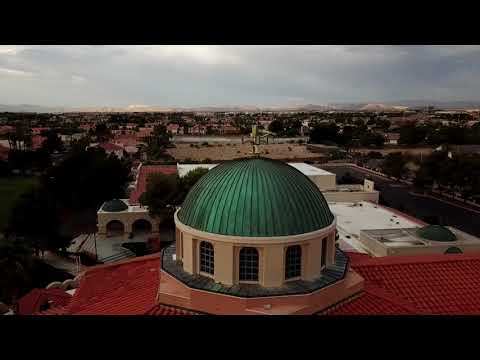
point(102, 132)
point(85, 179)
point(15, 267)
point(161, 194)
point(370, 138)
point(157, 143)
point(52, 143)
point(276, 126)
point(34, 217)
point(412, 135)
point(165, 192)
point(324, 133)
point(244, 125)
point(187, 182)
point(394, 164)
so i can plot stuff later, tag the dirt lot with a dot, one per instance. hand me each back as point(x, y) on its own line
point(219, 152)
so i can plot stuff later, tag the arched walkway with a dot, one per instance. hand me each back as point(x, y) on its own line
point(141, 226)
point(115, 228)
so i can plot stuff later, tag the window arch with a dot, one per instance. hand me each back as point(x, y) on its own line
point(114, 228)
point(293, 262)
point(248, 264)
point(324, 252)
point(207, 258)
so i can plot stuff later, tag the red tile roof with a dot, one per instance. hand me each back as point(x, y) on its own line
point(374, 301)
point(126, 140)
point(143, 174)
point(424, 284)
point(124, 288)
point(4, 152)
point(59, 310)
point(37, 141)
point(172, 126)
point(33, 301)
point(162, 309)
point(400, 285)
point(110, 147)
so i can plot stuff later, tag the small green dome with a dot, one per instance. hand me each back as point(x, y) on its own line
point(114, 205)
point(436, 233)
point(453, 250)
point(255, 197)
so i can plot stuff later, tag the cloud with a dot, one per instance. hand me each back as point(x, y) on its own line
point(7, 50)
point(193, 75)
point(15, 73)
point(77, 79)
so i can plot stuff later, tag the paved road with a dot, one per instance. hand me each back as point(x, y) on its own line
point(399, 196)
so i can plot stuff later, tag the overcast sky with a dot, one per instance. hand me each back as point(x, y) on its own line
point(235, 75)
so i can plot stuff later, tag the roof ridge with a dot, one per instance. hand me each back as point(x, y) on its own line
point(384, 294)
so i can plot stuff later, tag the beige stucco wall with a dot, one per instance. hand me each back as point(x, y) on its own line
point(125, 217)
point(353, 196)
point(271, 253)
point(324, 181)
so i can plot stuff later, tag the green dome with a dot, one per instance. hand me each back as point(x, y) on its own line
point(255, 197)
point(436, 233)
point(114, 206)
point(453, 250)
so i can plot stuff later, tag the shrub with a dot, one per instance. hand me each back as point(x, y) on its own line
point(289, 148)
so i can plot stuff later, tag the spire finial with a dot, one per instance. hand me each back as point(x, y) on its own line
point(255, 140)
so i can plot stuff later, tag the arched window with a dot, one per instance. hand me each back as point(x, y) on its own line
point(293, 262)
point(141, 226)
point(207, 264)
point(115, 228)
point(324, 252)
point(248, 264)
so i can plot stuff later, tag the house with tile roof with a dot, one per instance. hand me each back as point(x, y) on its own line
point(112, 149)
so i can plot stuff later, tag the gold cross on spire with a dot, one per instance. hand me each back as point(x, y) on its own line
point(255, 141)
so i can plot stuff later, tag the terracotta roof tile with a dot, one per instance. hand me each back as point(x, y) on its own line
point(374, 301)
point(143, 174)
point(162, 309)
point(58, 310)
point(35, 299)
point(110, 147)
point(124, 288)
point(427, 284)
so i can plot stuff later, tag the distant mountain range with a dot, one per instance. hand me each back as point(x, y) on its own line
point(354, 106)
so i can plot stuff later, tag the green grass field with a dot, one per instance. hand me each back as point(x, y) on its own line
point(10, 190)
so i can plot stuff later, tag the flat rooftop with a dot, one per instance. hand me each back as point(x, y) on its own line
point(364, 215)
point(310, 170)
point(409, 237)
